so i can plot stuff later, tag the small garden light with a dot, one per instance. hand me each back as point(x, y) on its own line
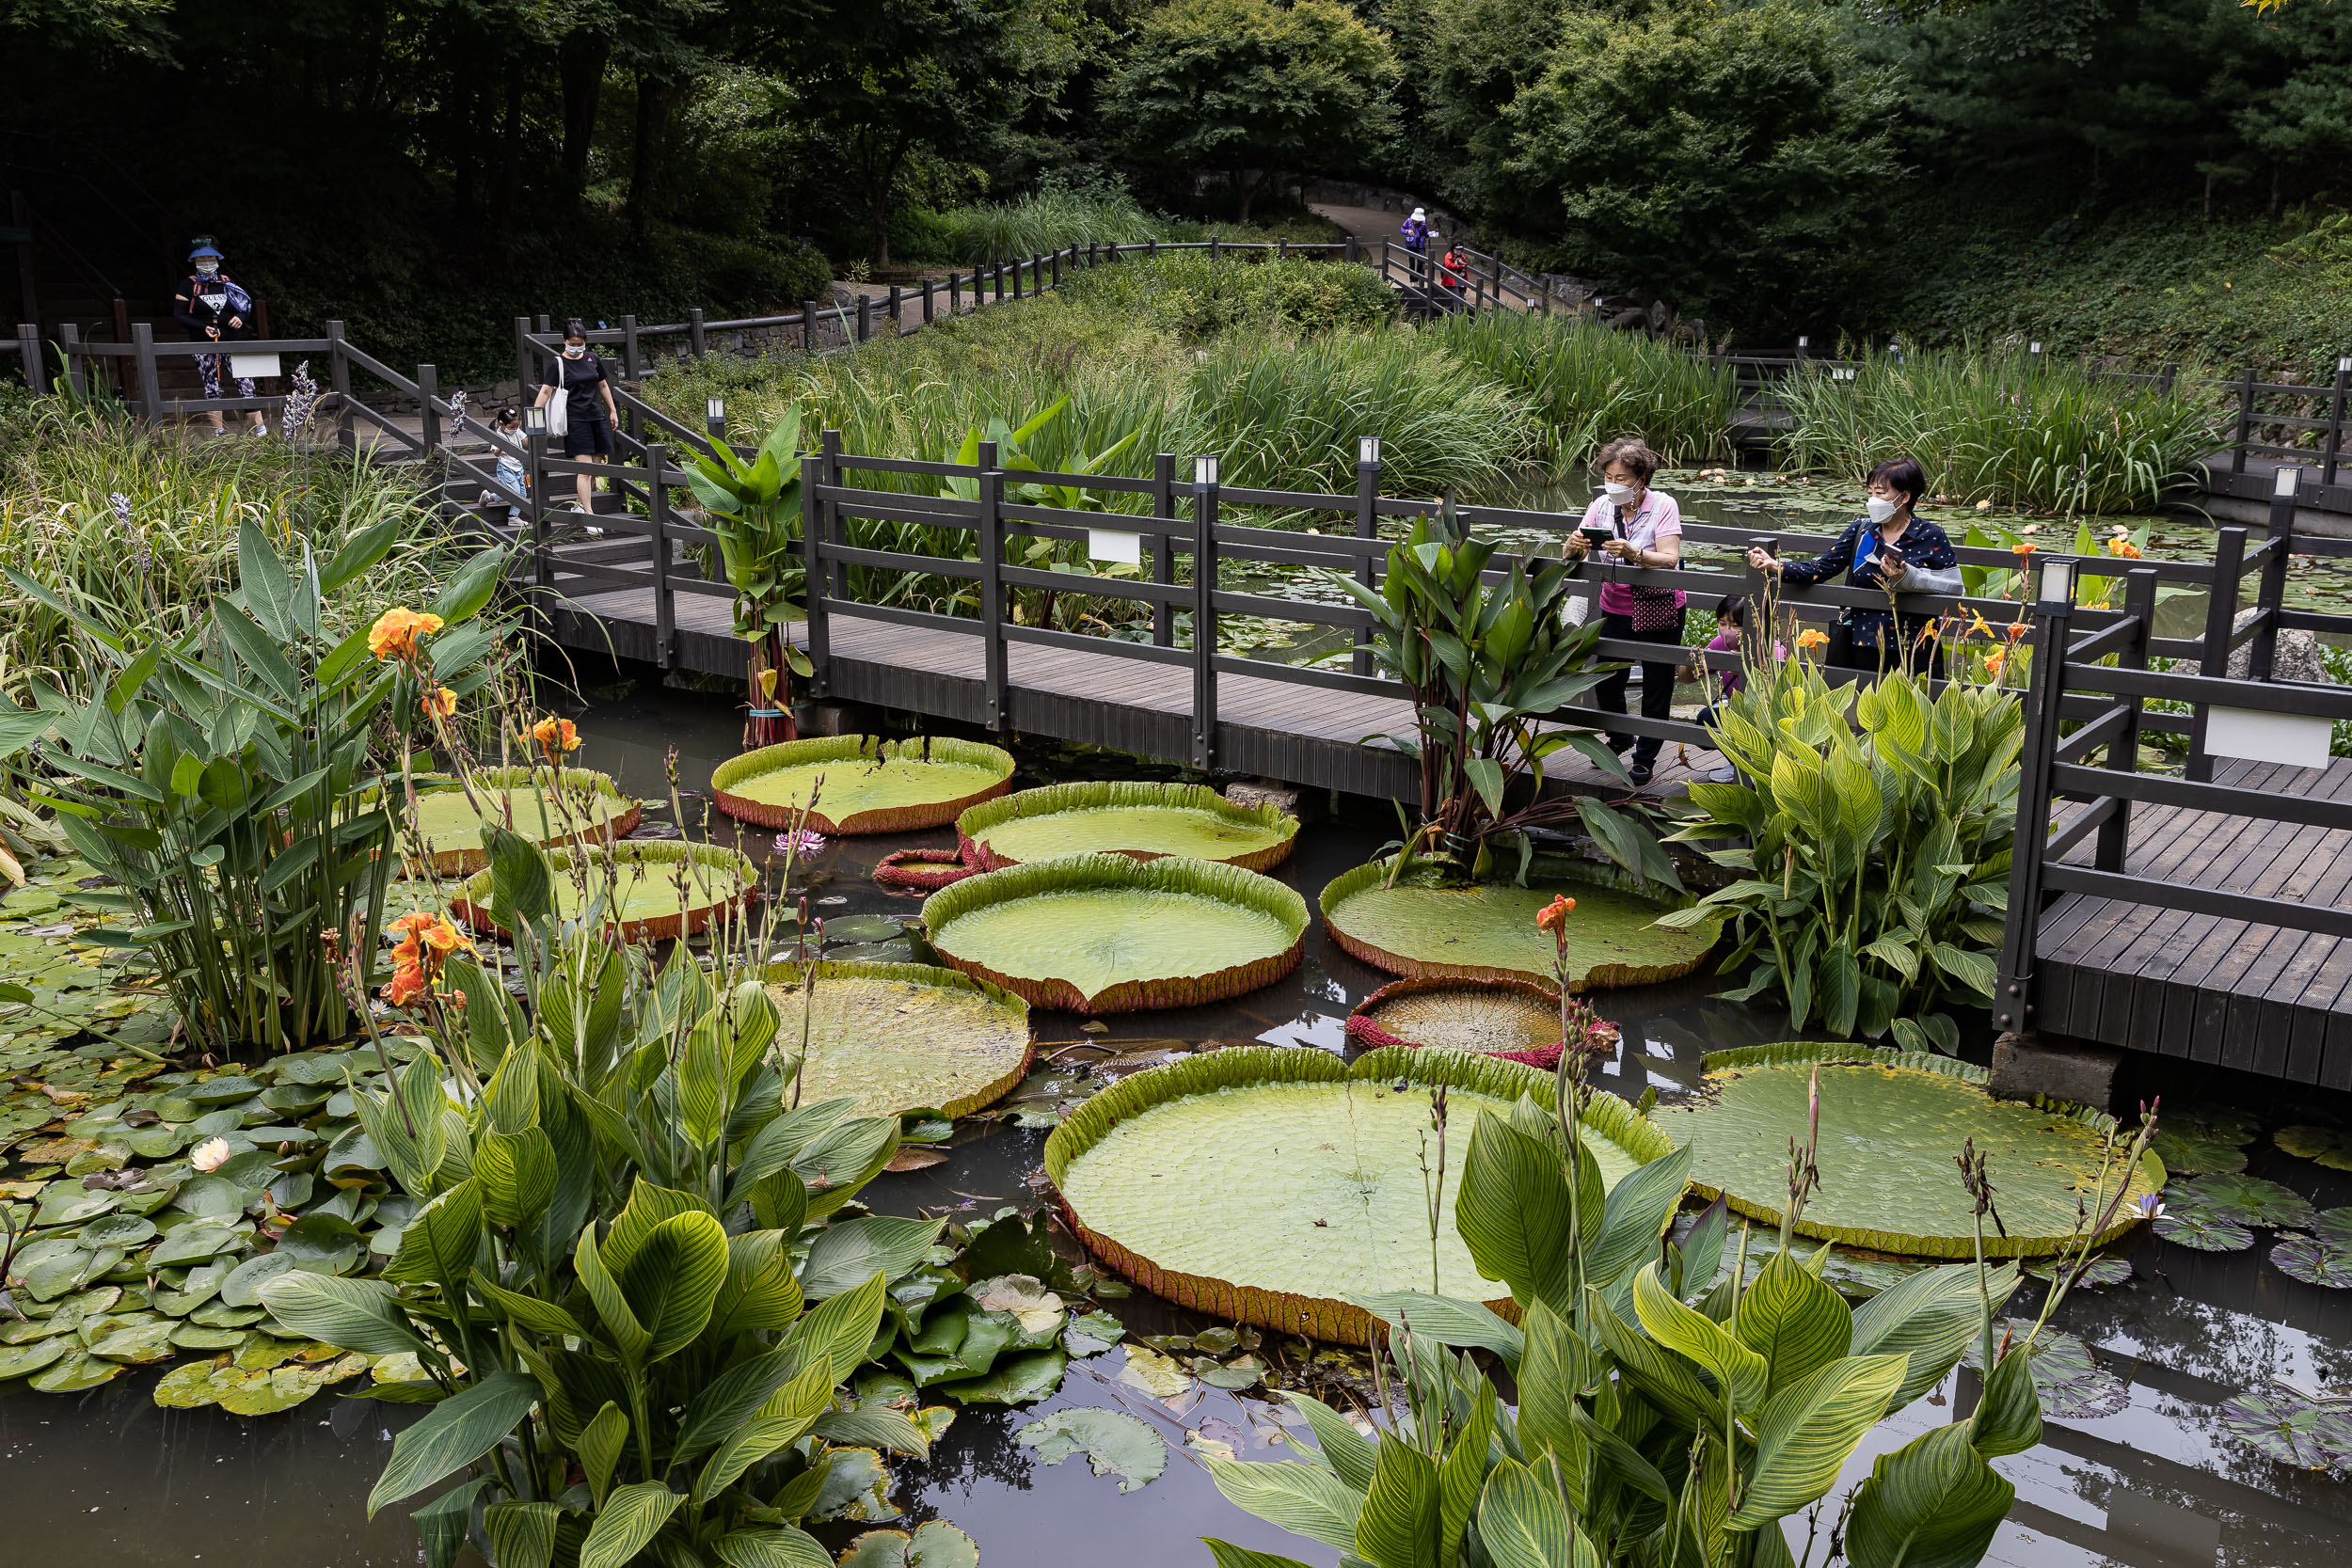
point(535, 420)
point(1368, 450)
point(2058, 581)
point(2289, 480)
point(715, 416)
point(1205, 470)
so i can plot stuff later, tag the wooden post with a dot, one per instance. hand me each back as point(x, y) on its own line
point(1351, 255)
point(2245, 422)
point(813, 579)
point(28, 349)
point(1056, 269)
point(1016, 277)
point(2335, 422)
point(2273, 593)
point(546, 324)
point(927, 302)
point(632, 367)
point(429, 417)
point(1152, 248)
point(898, 304)
point(2171, 374)
point(1164, 551)
point(1212, 247)
point(2012, 1002)
point(536, 482)
point(2220, 612)
point(864, 317)
point(955, 295)
point(664, 599)
point(527, 372)
point(697, 342)
point(339, 383)
point(828, 515)
point(70, 352)
point(990, 534)
point(1204, 493)
point(151, 385)
point(1000, 282)
point(1367, 527)
point(2139, 602)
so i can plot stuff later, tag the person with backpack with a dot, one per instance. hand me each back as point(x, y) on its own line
point(215, 309)
point(588, 413)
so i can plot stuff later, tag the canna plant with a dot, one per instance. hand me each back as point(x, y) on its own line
point(754, 509)
point(631, 1287)
point(1874, 878)
point(1486, 664)
point(228, 778)
point(1665, 1418)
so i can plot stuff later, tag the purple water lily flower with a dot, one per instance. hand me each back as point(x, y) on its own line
point(2151, 1206)
point(801, 844)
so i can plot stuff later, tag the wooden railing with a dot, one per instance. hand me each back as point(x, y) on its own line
point(2090, 692)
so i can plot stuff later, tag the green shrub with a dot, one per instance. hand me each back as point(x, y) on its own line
point(1588, 384)
point(1189, 294)
point(1056, 216)
point(2018, 430)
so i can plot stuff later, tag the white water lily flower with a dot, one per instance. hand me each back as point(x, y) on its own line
point(210, 1154)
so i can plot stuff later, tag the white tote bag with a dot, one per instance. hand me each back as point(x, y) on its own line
point(559, 410)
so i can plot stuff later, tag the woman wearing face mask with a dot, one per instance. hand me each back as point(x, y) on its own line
point(1886, 548)
point(215, 309)
point(1633, 525)
point(590, 415)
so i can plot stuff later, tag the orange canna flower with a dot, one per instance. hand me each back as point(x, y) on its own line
point(397, 632)
point(2016, 629)
point(1994, 662)
point(2124, 547)
point(406, 986)
point(554, 735)
point(1977, 625)
point(440, 702)
point(2023, 549)
point(1812, 638)
point(1554, 915)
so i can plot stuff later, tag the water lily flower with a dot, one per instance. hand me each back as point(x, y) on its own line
point(440, 702)
point(397, 633)
point(1554, 916)
point(210, 1154)
point(1985, 505)
point(2151, 1206)
point(799, 844)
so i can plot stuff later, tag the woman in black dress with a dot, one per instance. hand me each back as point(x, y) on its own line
point(590, 415)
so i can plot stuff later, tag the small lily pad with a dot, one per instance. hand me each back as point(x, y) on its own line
point(1021, 1379)
point(137, 1343)
point(2241, 1201)
point(196, 1385)
point(117, 1231)
point(863, 929)
point(1092, 1333)
point(192, 1243)
point(1243, 1371)
point(219, 1314)
point(268, 1393)
point(2313, 1262)
point(2068, 1377)
point(2203, 1234)
point(74, 1373)
point(857, 1488)
point(2330, 1145)
point(1114, 1442)
point(243, 1288)
point(197, 1336)
point(2307, 1434)
point(21, 1360)
point(2097, 1272)
point(2204, 1140)
point(935, 1544)
point(1161, 1376)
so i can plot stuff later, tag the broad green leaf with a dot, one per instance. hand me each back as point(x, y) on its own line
point(630, 1517)
point(1226, 1555)
point(1523, 1524)
point(517, 1173)
point(1806, 1430)
point(1348, 1452)
point(673, 1280)
point(352, 1314)
point(1304, 1499)
point(1639, 1208)
point(1513, 1212)
point(840, 1329)
point(1400, 1524)
point(1932, 1317)
point(759, 1291)
point(522, 1533)
point(1933, 1503)
point(439, 1246)
point(600, 1443)
point(441, 1524)
point(846, 1254)
point(1796, 1323)
point(1685, 1332)
point(1447, 1322)
point(2008, 1417)
point(781, 1418)
point(453, 1435)
point(775, 1547)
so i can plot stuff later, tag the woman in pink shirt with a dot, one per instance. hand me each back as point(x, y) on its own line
point(1634, 525)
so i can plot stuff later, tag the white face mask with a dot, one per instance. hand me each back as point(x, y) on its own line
point(575, 351)
point(1881, 508)
point(1620, 494)
point(208, 268)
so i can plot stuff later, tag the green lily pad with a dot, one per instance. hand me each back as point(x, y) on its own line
point(1424, 928)
point(243, 1288)
point(319, 1067)
point(1144, 821)
point(197, 1336)
point(137, 1343)
point(1021, 1379)
point(1891, 1122)
point(70, 1374)
point(71, 1203)
point(2241, 1201)
point(156, 1143)
point(861, 783)
point(2330, 1145)
point(26, 1359)
point(2308, 1434)
point(117, 1231)
point(192, 1243)
point(2202, 1233)
point(212, 1196)
point(1313, 1167)
point(1103, 934)
point(857, 1487)
point(1092, 1333)
point(935, 1544)
point(2071, 1385)
point(2204, 1139)
point(528, 800)
point(864, 929)
point(219, 1314)
point(266, 1393)
point(2098, 1273)
point(900, 1037)
point(1243, 1371)
point(194, 1385)
point(1114, 1443)
point(2313, 1262)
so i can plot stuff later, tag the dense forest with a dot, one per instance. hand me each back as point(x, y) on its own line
point(2163, 177)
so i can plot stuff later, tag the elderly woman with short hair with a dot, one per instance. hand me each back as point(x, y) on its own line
point(1633, 525)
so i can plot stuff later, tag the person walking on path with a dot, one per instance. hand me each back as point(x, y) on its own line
point(1634, 526)
point(1416, 232)
point(1454, 271)
point(215, 309)
point(1886, 548)
point(590, 415)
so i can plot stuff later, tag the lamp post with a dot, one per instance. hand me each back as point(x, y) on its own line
point(1367, 527)
point(715, 417)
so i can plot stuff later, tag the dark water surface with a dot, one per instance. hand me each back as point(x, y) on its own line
point(107, 1478)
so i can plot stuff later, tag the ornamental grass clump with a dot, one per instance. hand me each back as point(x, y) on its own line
point(2018, 430)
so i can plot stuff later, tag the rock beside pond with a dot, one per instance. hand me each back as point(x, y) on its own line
point(2295, 658)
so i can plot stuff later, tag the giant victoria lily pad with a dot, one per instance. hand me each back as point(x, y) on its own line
point(1144, 821)
point(1425, 928)
point(861, 783)
point(1516, 1020)
point(654, 889)
point(1892, 1124)
point(896, 1038)
point(534, 801)
point(1271, 1186)
point(1107, 934)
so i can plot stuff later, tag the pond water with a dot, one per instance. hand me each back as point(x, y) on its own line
point(107, 1479)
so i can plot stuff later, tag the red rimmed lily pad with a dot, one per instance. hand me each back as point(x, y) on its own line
point(652, 890)
point(1516, 1020)
point(861, 783)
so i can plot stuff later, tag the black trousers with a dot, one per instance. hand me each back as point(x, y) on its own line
point(1658, 682)
point(1872, 645)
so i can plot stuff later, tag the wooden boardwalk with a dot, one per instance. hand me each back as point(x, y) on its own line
point(2262, 998)
point(1275, 729)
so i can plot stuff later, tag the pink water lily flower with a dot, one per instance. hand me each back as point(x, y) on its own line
point(800, 845)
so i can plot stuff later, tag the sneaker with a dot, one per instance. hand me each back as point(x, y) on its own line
point(1725, 774)
point(593, 531)
point(1639, 773)
point(261, 430)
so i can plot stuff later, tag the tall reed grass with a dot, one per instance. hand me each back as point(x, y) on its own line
point(984, 232)
point(100, 509)
point(2009, 428)
point(1587, 384)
